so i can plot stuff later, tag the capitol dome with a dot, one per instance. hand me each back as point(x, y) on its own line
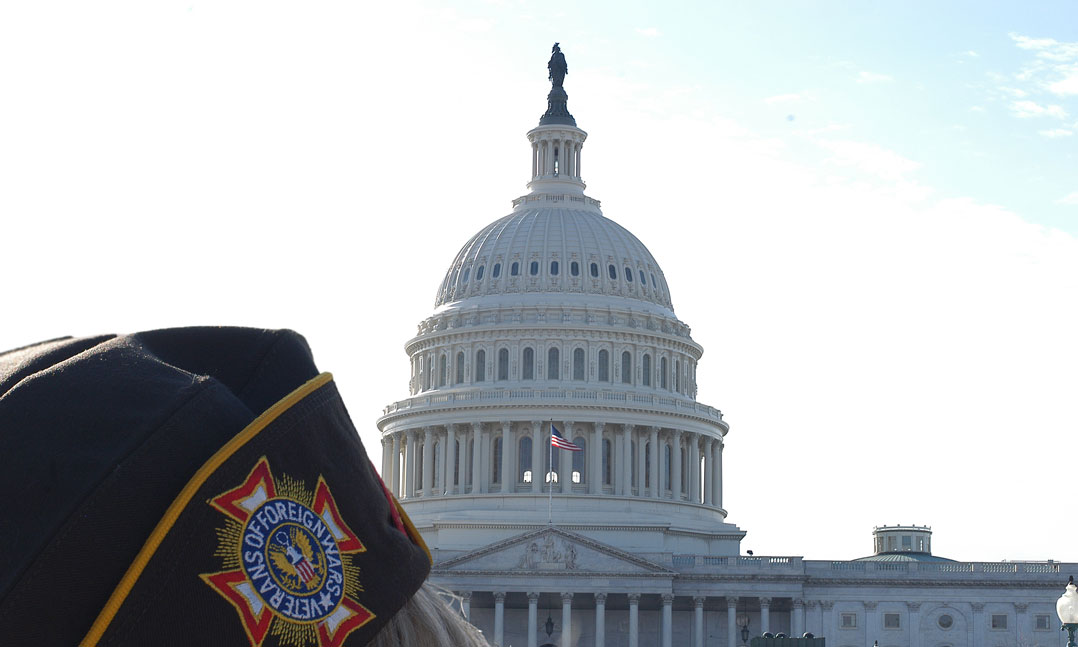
point(555, 317)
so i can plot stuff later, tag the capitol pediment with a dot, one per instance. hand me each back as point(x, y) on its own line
point(553, 551)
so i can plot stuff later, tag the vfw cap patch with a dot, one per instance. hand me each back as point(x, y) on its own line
point(287, 560)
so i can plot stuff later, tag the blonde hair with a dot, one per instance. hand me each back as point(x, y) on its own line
point(428, 620)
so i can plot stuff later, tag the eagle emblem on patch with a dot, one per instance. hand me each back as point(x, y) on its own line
point(287, 559)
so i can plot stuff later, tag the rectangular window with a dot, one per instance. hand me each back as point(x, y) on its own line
point(1042, 622)
point(848, 620)
point(999, 621)
point(892, 621)
point(907, 542)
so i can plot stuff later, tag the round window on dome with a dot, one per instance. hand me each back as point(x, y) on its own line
point(464, 277)
point(628, 274)
point(613, 271)
point(574, 268)
point(479, 273)
point(514, 269)
point(497, 271)
point(553, 268)
point(534, 269)
point(595, 270)
point(945, 621)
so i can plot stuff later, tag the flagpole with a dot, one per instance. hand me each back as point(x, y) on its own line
point(550, 488)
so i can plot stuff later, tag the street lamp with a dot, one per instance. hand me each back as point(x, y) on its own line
point(1067, 610)
point(743, 622)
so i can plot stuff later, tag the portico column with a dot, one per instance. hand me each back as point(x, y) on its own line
point(765, 615)
point(675, 477)
point(797, 622)
point(428, 461)
point(698, 621)
point(625, 471)
point(653, 443)
point(462, 462)
point(915, 624)
point(533, 612)
point(595, 478)
point(394, 466)
point(409, 465)
point(634, 620)
point(872, 628)
point(466, 604)
point(709, 471)
point(600, 620)
point(565, 462)
point(566, 619)
point(499, 618)
point(731, 621)
point(507, 449)
point(668, 619)
point(716, 473)
point(477, 456)
point(450, 459)
point(538, 473)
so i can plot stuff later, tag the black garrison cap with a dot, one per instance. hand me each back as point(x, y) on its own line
point(196, 486)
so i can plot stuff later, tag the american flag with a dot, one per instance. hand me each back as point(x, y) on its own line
point(557, 440)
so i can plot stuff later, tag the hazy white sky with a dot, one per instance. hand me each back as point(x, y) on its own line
point(867, 213)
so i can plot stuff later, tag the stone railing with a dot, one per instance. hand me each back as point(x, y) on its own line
point(737, 562)
point(839, 569)
point(555, 197)
point(596, 397)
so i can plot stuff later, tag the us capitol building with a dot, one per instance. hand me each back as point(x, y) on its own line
point(556, 314)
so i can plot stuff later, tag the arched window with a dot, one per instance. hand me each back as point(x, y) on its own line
point(437, 469)
point(553, 268)
point(668, 462)
point(574, 268)
point(464, 277)
point(645, 369)
point(628, 274)
point(458, 377)
point(612, 271)
point(662, 372)
point(443, 369)
point(503, 364)
point(684, 472)
point(578, 364)
point(524, 460)
point(514, 269)
point(456, 466)
point(496, 465)
point(534, 268)
point(480, 373)
point(497, 271)
point(677, 375)
point(552, 364)
point(647, 464)
point(634, 473)
point(528, 365)
point(479, 273)
point(608, 464)
point(594, 270)
point(604, 365)
point(626, 368)
point(578, 460)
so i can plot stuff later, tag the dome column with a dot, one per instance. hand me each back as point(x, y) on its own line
point(641, 463)
point(675, 478)
point(716, 477)
point(653, 445)
point(507, 449)
point(537, 457)
point(477, 457)
point(428, 461)
point(709, 469)
point(625, 465)
point(409, 465)
point(462, 462)
point(694, 468)
point(595, 479)
point(565, 463)
point(394, 466)
point(450, 459)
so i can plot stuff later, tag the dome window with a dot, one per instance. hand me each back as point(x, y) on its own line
point(464, 277)
point(594, 270)
point(514, 269)
point(643, 281)
point(626, 368)
point(552, 364)
point(628, 274)
point(574, 268)
point(578, 364)
point(459, 366)
point(503, 364)
point(479, 273)
point(653, 284)
point(497, 271)
point(604, 366)
point(645, 368)
point(553, 268)
point(613, 271)
point(533, 269)
point(528, 370)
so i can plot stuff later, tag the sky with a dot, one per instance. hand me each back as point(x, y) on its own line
point(867, 212)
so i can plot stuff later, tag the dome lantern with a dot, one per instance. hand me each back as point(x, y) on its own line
point(556, 142)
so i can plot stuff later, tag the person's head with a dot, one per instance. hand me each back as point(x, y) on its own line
point(199, 486)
